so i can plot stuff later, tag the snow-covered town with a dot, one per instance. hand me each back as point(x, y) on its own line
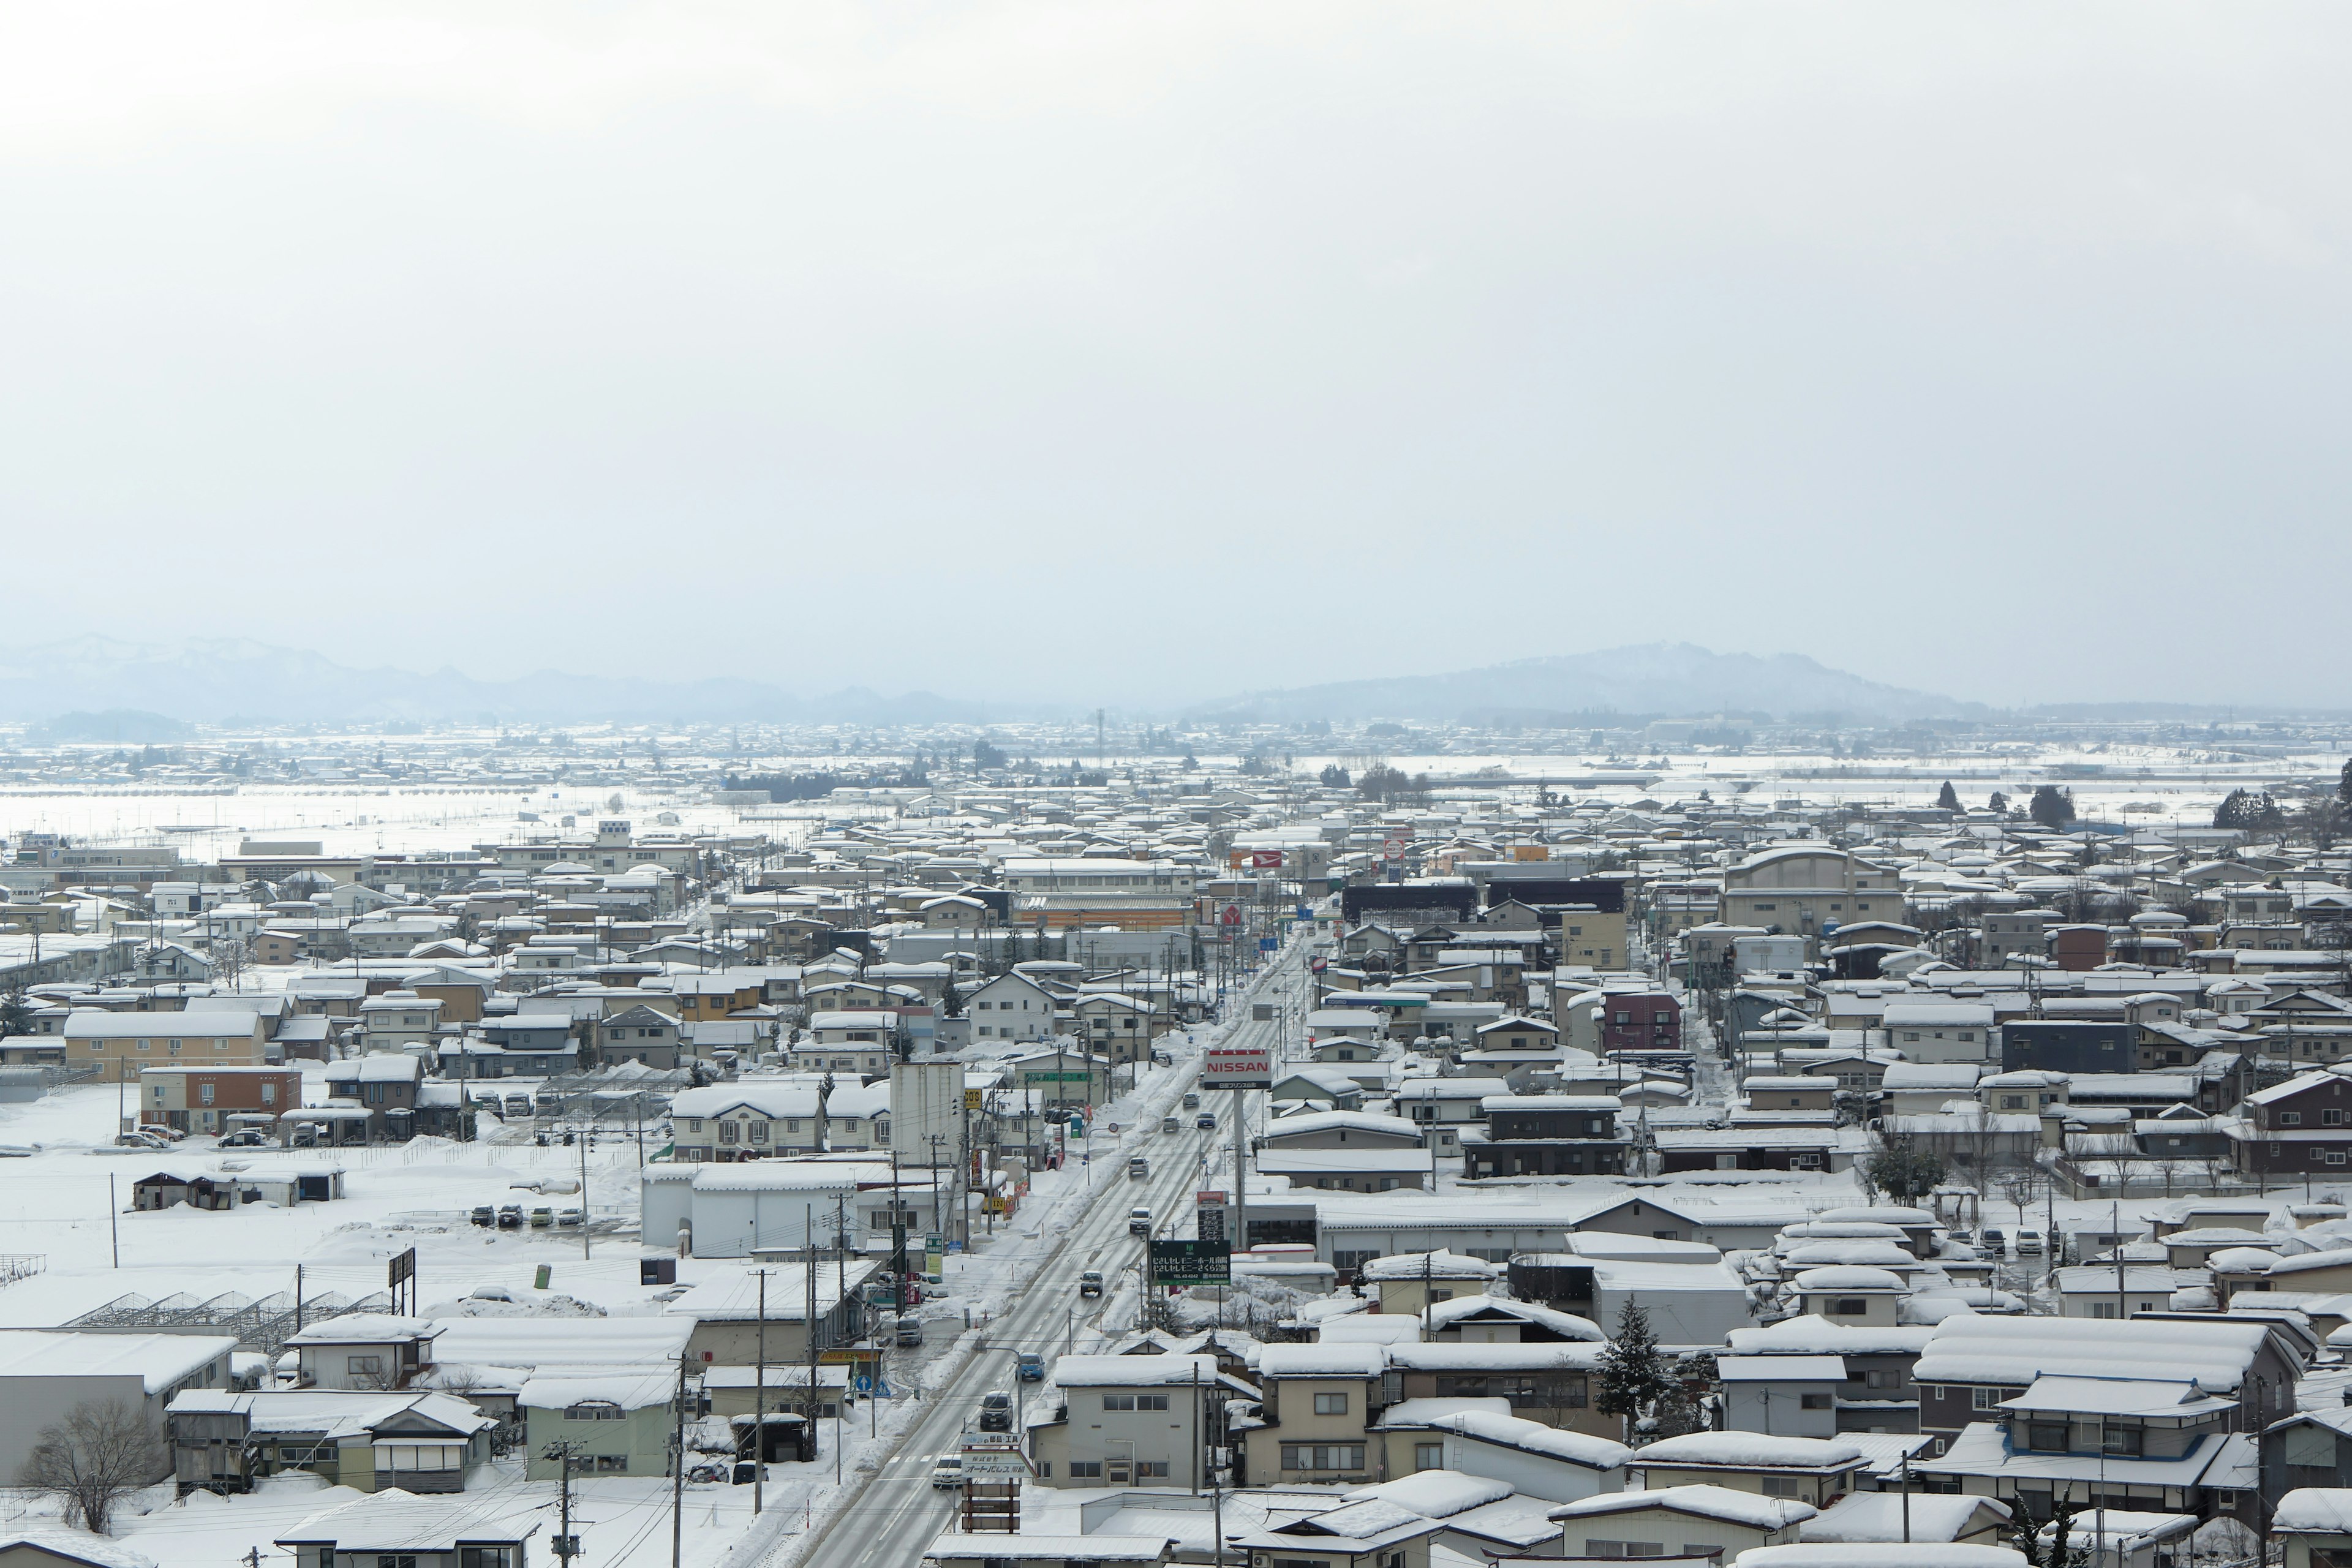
point(1203, 1150)
point(1067, 783)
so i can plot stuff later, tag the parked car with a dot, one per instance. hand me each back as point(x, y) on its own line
point(543, 1218)
point(1138, 1222)
point(249, 1138)
point(1090, 1282)
point(1962, 1234)
point(1206, 1120)
point(2029, 1244)
point(569, 1218)
point(304, 1136)
point(1033, 1367)
point(909, 1334)
point(511, 1217)
point(485, 1215)
point(1996, 1241)
point(140, 1139)
point(518, 1105)
point(1138, 1168)
point(1192, 1102)
point(947, 1474)
point(996, 1412)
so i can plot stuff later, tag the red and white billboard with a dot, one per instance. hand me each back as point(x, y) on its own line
point(1265, 859)
point(1237, 1066)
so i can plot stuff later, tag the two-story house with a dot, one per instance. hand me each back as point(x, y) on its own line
point(2302, 1126)
point(1319, 1404)
point(747, 1120)
point(1011, 1008)
point(1545, 1135)
point(2152, 1444)
point(1130, 1420)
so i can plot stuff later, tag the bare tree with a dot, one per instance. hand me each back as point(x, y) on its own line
point(102, 1450)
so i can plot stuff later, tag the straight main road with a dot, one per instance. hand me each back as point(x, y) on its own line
point(900, 1513)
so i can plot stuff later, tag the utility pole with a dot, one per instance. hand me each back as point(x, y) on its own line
point(587, 1132)
point(760, 1400)
point(677, 1474)
point(566, 1548)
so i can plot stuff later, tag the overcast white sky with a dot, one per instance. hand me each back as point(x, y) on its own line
point(1139, 352)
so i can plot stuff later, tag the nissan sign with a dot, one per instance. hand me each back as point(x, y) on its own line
point(1237, 1066)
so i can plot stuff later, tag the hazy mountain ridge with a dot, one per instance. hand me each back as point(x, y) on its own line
point(211, 682)
point(1654, 679)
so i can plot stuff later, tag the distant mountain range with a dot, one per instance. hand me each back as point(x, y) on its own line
point(219, 682)
point(1651, 681)
point(101, 689)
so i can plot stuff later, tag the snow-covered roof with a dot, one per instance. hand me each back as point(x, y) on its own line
point(1975, 1348)
point(629, 1390)
point(1861, 1554)
point(1882, 1517)
point(73, 1546)
point(1134, 1371)
point(1320, 1361)
point(2315, 1510)
point(1436, 1494)
point(1495, 1355)
point(2118, 1396)
point(1439, 1314)
point(1438, 1265)
point(1748, 1450)
point(1703, 1501)
point(1097, 1547)
point(1839, 1278)
point(1488, 1425)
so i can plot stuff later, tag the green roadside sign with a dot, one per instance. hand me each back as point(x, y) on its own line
point(1191, 1263)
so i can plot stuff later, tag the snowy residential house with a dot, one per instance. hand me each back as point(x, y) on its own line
point(1873, 1391)
point(1817, 1471)
point(2153, 1444)
point(417, 1440)
point(403, 1529)
point(1479, 1437)
point(1319, 1404)
point(45, 1375)
point(2315, 1525)
point(747, 1120)
point(617, 1420)
point(1703, 1520)
point(1369, 1534)
point(1122, 1420)
point(369, 1351)
point(1011, 1008)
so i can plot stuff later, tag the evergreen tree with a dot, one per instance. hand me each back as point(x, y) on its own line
point(1949, 800)
point(2344, 784)
point(16, 1012)
point(1633, 1376)
point(1997, 801)
point(2052, 805)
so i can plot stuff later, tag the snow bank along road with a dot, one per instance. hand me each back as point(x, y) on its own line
point(900, 1513)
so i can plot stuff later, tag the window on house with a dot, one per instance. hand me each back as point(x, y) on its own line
point(1118, 1401)
point(2290, 1118)
point(1330, 1405)
point(2049, 1437)
point(1782, 1486)
point(2122, 1440)
point(1619, 1550)
point(1085, 1470)
point(1429, 1455)
point(1814, 1401)
point(1848, 1307)
point(363, 1366)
